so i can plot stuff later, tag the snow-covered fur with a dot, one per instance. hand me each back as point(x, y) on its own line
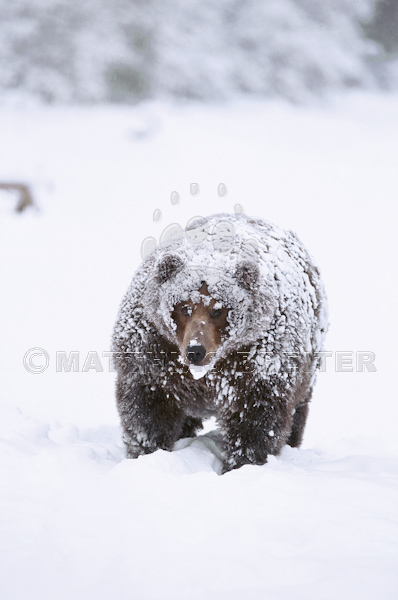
point(262, 375)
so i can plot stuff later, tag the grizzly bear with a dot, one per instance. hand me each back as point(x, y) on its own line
point(227, 320)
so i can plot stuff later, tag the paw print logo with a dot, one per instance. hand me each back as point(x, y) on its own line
point(197, 230)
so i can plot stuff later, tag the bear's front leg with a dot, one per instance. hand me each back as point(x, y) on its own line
point(149, 416)
point(257, 428)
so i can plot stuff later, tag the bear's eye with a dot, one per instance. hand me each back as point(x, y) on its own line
point(215, 313)
point(186, 310)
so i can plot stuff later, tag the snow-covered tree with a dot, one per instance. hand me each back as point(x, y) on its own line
point(127, 50)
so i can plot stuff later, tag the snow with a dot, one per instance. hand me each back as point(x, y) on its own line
point(80, 521)
point(199, 372)
point(91, 51)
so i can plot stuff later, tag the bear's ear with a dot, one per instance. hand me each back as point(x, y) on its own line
point(247, 274)
point(168, 266)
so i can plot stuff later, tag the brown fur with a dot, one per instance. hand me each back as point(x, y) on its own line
point(200, 322)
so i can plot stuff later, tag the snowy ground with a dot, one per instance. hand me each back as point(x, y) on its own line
point(77, 520)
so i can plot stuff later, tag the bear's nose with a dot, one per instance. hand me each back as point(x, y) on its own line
point(196, 354)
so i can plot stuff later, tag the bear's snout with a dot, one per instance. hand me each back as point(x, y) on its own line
point(195, 353)
point(200, 327)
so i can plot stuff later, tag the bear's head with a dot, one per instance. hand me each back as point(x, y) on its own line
point(202, 319)
point(201, 327)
